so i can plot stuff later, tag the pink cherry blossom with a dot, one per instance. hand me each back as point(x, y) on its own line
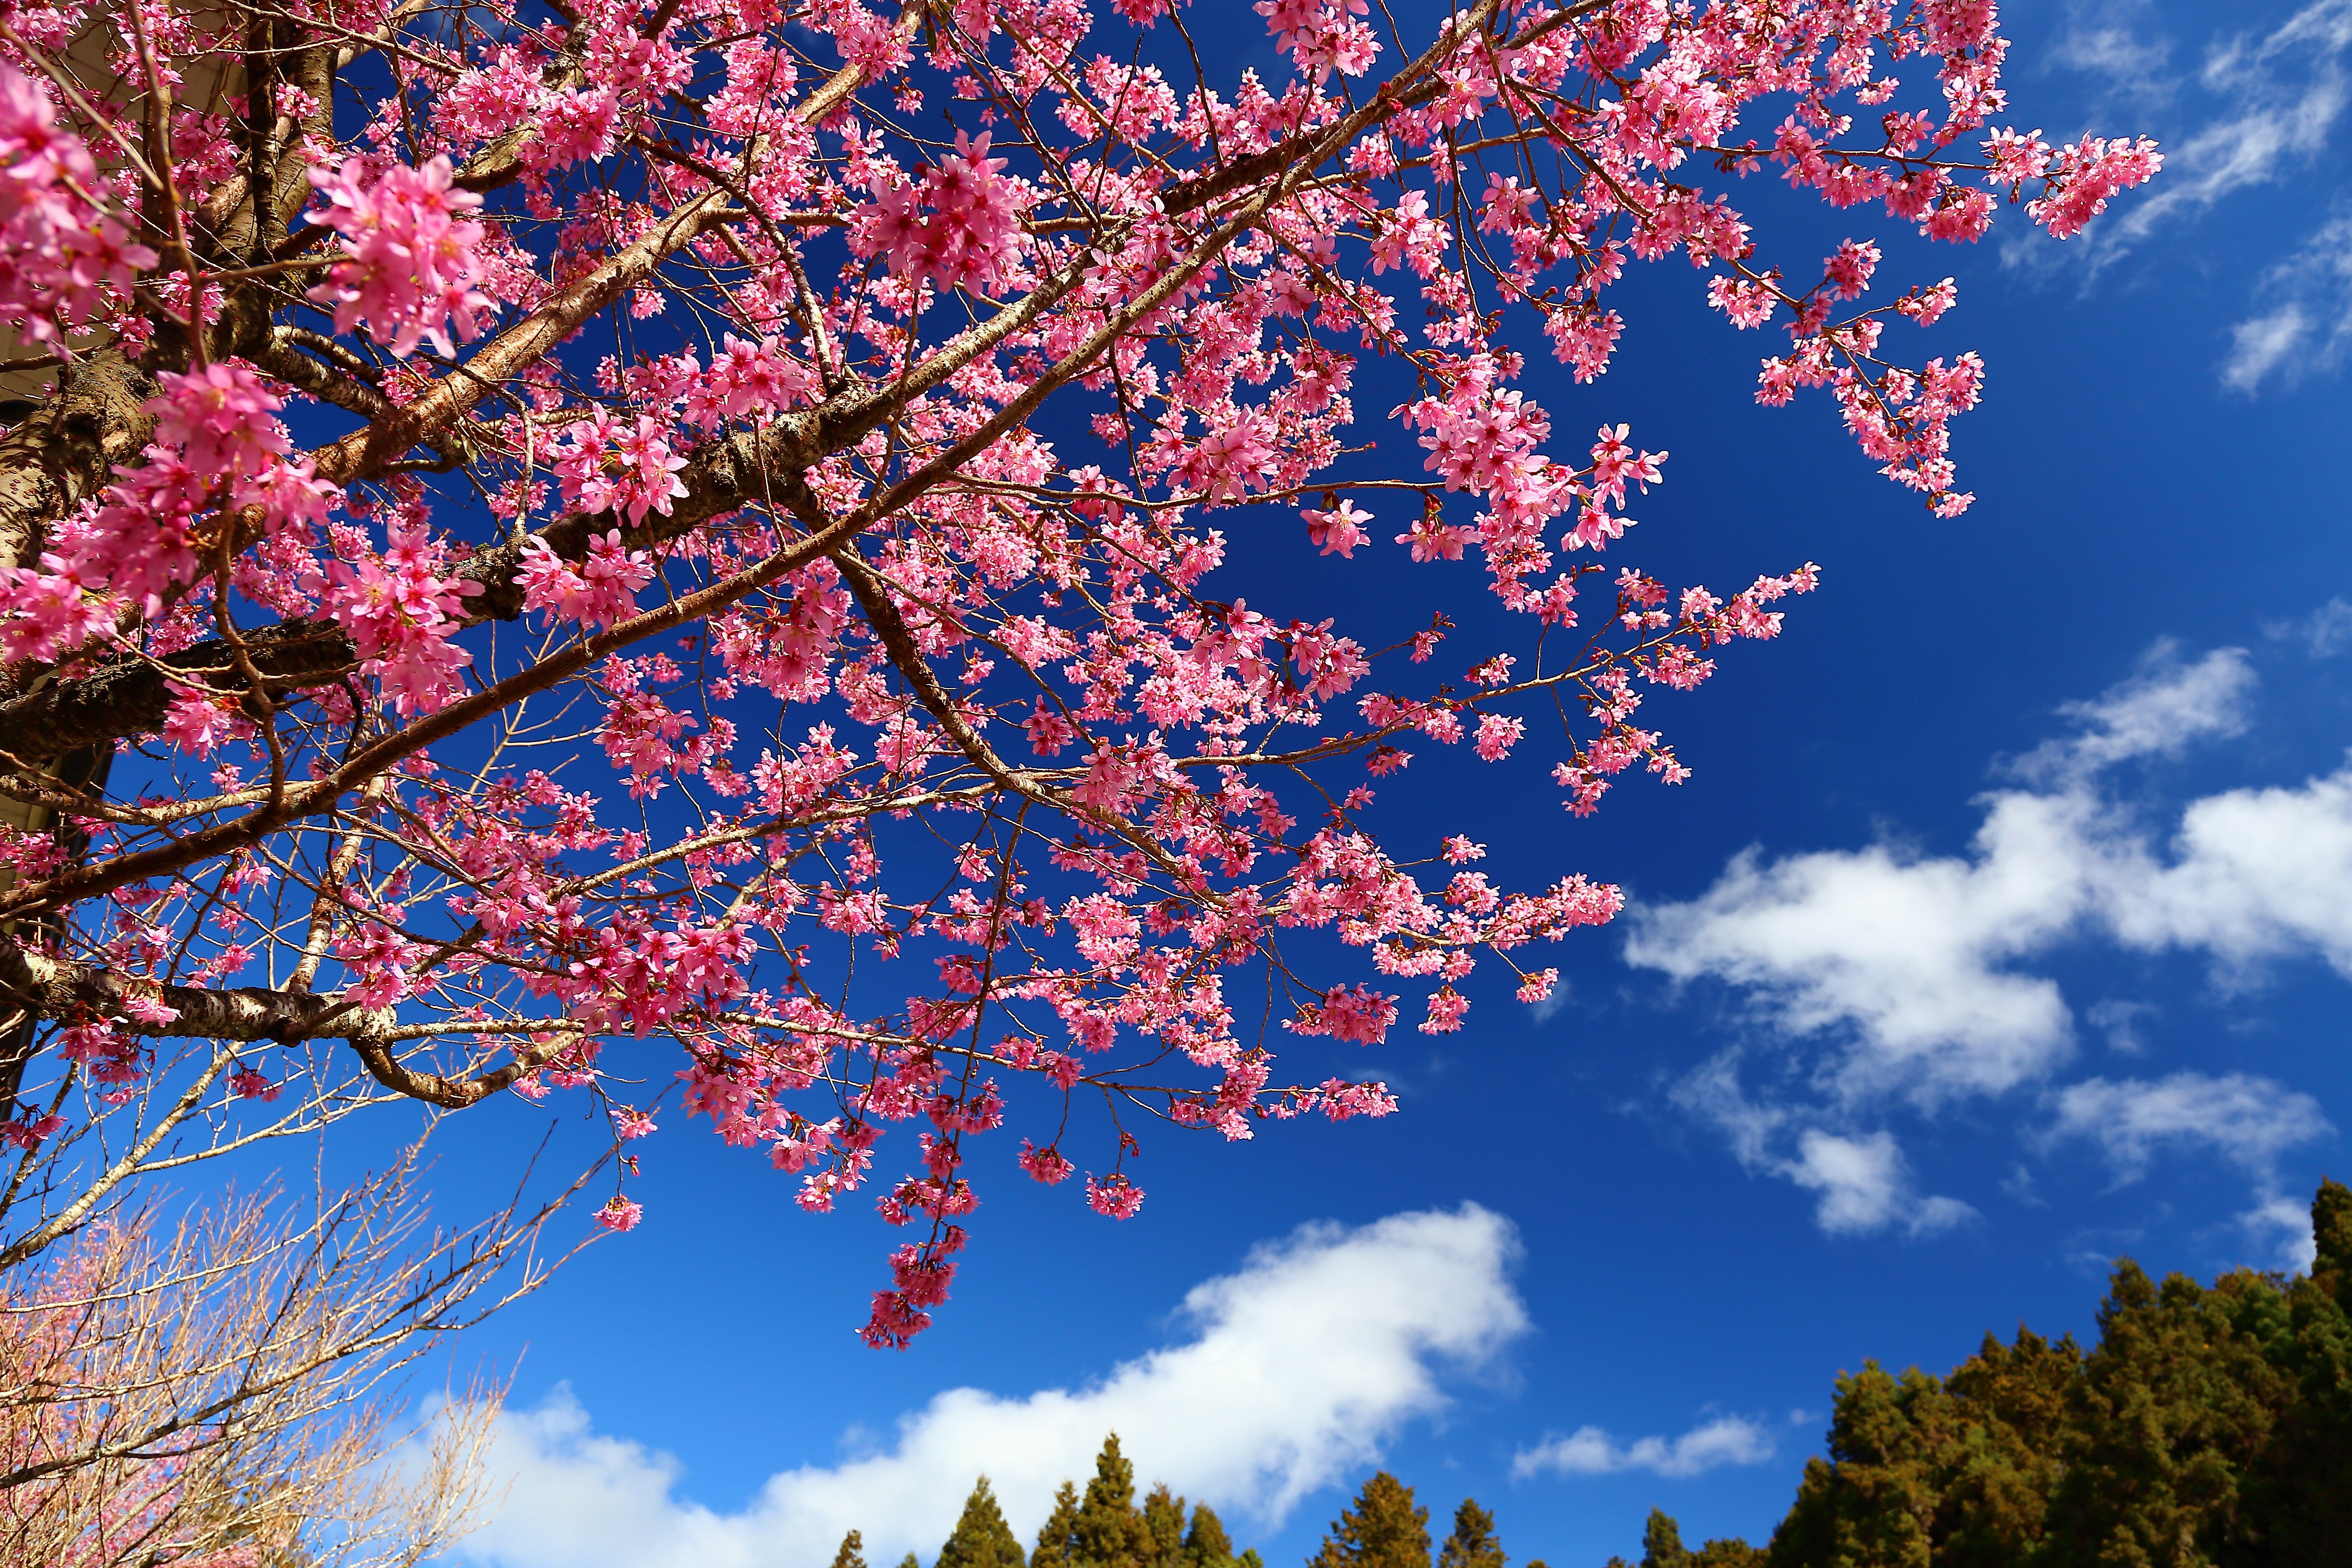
point(669, 573)
point(410, 267)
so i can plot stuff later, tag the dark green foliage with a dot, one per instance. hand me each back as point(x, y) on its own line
point(1102, 1528)
point(1729, 1552)
point(1956, 1471)
point(851, 1553)
point(1384, 1530)
point(981, 1538)
point(2211, 1427)
point(1471, 1544)
point(1662, 1547)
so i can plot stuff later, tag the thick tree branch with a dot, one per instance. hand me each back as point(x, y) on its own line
point(130, 696)
point(69, 990)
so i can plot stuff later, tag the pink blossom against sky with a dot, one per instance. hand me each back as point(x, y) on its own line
point(2000, 929)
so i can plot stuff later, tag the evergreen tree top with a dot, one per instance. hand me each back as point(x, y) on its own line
point(1472, 1544)
point(1207, 1544)
point(981, 1539)
point(1384, 1530)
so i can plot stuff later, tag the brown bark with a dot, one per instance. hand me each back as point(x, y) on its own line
point(68, 448)
point(69, 990)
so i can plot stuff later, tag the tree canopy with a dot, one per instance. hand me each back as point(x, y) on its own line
point(2209, 1427)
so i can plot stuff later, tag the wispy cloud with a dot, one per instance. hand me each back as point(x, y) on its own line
point(2277, 98)
point(1589, 1451)
point(2163, 708)
point(2111, 41)
point(1863, 1184)
point(2249, 1121)
point(2323, 633)
point(2303, 324)
point(2248, 110)
point(1301, 1364)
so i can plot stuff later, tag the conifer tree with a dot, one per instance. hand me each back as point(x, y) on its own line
point(1472, 1542)
point(2211, 1426)
point(1103, 1529)
point(1206, 1545)
point(851, 1553)
point(1163, 1529)
point(1384, 1530)
point(1662, 1547)
point(981, 1539)
point(2302, 1486)
point(1110, 1531)
point(1054, 1538)
point(2173, 1408)
point(1662, 1543)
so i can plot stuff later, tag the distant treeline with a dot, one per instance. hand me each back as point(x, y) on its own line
point(2211, 1426)
point(1101, 1529)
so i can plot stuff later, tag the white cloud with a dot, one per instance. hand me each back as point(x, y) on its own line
point(1903, 953)
point(1864, 1187)
point(1302, 1364)
point(1913, 958)
point(2323, 633)
point(1899, 976)
point(1913, 955)
point(2256, 875)
point(1589, 1451)
point(2307, 326)
point(2249, 1121)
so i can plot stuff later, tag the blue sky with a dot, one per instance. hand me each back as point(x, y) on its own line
point(2004, 929)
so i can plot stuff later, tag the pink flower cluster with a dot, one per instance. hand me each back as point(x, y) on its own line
point(410, 267)
point(629, 467)
point(959, 225)
point(599, 591)
point(218, 445)
point(403, 609)
point(63, 256)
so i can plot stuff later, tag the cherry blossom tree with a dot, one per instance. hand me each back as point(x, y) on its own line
point(673, 553)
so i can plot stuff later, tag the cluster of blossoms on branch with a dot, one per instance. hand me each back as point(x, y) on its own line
point(629, 532)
